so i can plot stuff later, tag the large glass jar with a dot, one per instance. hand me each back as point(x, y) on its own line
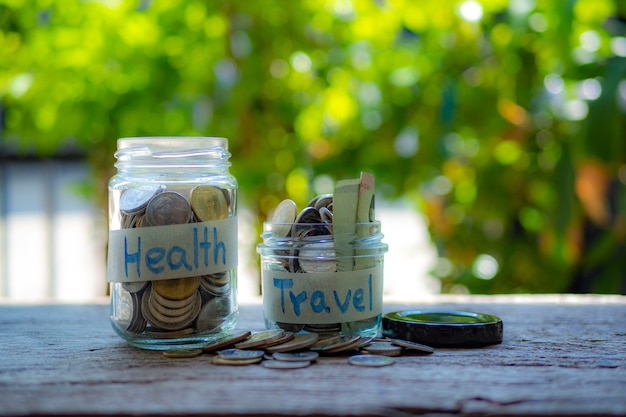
point(172, 252)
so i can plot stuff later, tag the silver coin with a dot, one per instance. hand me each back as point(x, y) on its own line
point(296, 356)
point(413, 346)
point(213, 313)
point(383, 348)
point(326, 215)
point(167, 208)
point(134, 200)
point(318, 257)
point(235, 354)
point(370, 360)
point(135, 286)
point(284, 215)
point(273, 364)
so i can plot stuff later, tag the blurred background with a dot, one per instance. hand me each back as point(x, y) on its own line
point(496, 130)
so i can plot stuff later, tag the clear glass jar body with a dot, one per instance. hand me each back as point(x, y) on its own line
point(312, 281)
point(172, 252)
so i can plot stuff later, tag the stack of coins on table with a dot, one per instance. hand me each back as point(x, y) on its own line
point(175, 307)
point(279, 349)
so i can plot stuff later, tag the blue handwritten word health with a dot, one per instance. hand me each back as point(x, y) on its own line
point(336, 301)
point(206, 249)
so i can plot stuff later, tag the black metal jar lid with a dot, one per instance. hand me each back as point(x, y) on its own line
point(444, 328)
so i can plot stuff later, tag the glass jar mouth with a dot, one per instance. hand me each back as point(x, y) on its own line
point(280, 236)
point(164, 151)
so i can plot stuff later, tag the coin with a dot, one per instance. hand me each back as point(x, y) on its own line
point(213, 313)
point(318, 257)
point(174, 314)
point(370, 360)
point(173, 304)
point(412, 345)
point(227, 340)
point(299, 341)
point(177, 288)
point(343, 343)
point(284, 215)
point(182, 353)
point(134, 200)
point(209, 203)
point(260, 338)
point(273, 364)
point(135, 286)
point(219, 360)
point(241, 354)
point(168, 323)
point(167, 208)
point(383, 348)
point(166, 334)
point(296, 356)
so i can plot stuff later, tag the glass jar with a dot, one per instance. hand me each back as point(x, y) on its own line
point(172, 255)
point(314, 281)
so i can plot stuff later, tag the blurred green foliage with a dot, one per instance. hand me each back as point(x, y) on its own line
point(503, 121)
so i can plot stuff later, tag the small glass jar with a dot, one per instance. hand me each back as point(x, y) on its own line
point(172, 255)
point(312, 281)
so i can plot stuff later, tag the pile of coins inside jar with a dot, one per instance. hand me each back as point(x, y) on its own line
point(279, 349)
point(313, 251)
point(176, 307)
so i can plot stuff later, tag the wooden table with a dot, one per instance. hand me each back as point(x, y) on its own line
point(561, 355)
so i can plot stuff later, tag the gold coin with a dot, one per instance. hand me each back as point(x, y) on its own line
point(219, 360)
point(227, 340)
point(182, 353)
point(208, 203)
point(177, 288)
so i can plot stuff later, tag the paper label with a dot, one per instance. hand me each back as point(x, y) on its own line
point(175, 251)
point(323, 298)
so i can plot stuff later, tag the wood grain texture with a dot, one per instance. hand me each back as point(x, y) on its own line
point(560, 356)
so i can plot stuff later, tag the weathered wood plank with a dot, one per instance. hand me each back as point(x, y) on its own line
point(565, 358)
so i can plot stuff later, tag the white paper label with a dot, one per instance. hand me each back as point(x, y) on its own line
point(312, 298)
point(175, 251)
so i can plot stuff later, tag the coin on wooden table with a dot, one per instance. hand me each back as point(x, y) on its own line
point(343, 344)
point(241, 354)
point(134, 200)
point(167, 208)
point(176, 288)
point(382, 348)
point(306, 355)
point(260, 339)
point(182, 353)
point(219, 360)
point(299, 341)
point(227, 340)
point(412, 346)
point(273, 364)
point(209, 203)
point(370, 360)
